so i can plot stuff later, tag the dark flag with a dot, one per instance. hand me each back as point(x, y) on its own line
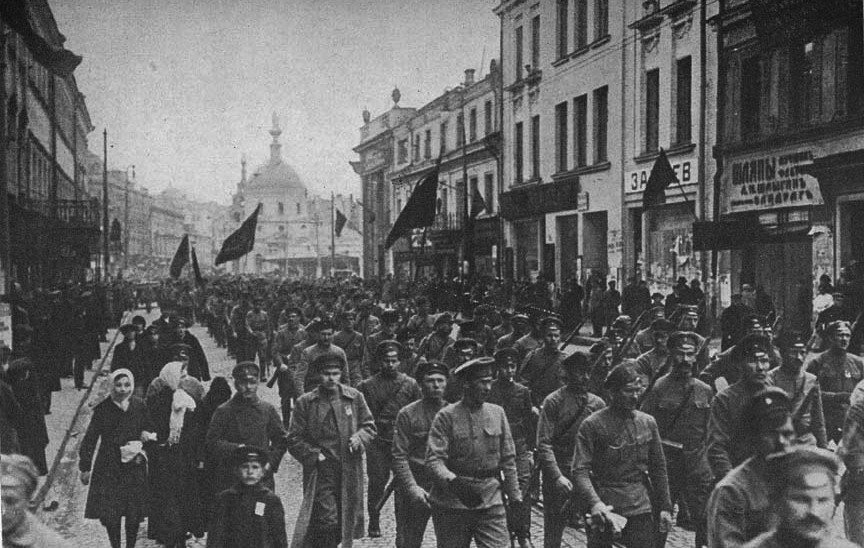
point(241, 241)
point(662, 175)
point(340, 223)
point(419, 212)
point(478, 205)
point(58, 60)
point(199, 280)
point(180, 258)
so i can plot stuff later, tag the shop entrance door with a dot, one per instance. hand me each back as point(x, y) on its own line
point(595, 231)
point(784, 270)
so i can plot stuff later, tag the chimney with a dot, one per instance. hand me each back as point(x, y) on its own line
point(469, 77)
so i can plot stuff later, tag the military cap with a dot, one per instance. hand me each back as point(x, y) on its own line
point(783, 465)
point(249, 453)
point(465, 343)
point(389, 315)
point(127, 327)
point(770, 407)
point(329, 359)
point(662, 324)
point(577, 361)
point(620, 376)
point(836, 326)
point(388, 346)
point(793, 341)
point(657, 296)
point(325, 323)
point(474, 368)
point(520, 317)
point(139, 319)
point(508, 352)
point(680, 339)
point(428, 368)
point(293, 310)
point(444, 317)
point(751, 345)
point(181, 322)
point(622, 321)
point(246, 371)
point(551, 321)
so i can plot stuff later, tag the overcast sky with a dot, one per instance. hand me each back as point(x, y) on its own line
point(185, 87)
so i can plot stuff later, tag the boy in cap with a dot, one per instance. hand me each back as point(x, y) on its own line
point(802, 485)
point(739, 506)
point(540, 369)
point(248, 514)
point(560, 417)
point(466, 495)
point(413, 481)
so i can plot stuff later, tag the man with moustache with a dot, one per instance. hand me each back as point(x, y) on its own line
point(805, 394)
point(615, 448)
point(560, 417)
point(389, 326)
point(469, 447)
point(386, 393)
point(413, 480)
point(739, 506)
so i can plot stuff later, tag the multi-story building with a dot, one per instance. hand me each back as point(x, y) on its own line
point(790, 147)
point(562, 80)
point(53, 226)
point(460, 130)
point(166, 228)
point(374, 167)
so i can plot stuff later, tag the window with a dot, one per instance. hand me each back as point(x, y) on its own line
point(580, 130)
point(487, 114)
point(580, 24)
point(427, 151)
point(442, 209)
point(298, 209)
point(518, 56)
point(652, 110)
point(601, 120)
point(751, 92)
point(281, 208)
point(601, 18)
point(561, 136)
point(563, 15)
point(806, 83)
point(518, 152)
point(460, 130)
point(683, 116)
point(535, 147)
point(416, 148)
point(403, 151)
point(472, 186)
point(472, 125)
point(535, 43)
point(488, 190)
point(442, 137)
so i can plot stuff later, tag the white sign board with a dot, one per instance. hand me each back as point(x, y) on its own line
point(685, 169)
point(770, 180)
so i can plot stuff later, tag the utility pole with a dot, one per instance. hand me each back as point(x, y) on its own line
point(126, 223)
point(106, 258)
point(5, 252)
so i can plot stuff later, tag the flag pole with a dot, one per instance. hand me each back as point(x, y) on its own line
point(332, 234)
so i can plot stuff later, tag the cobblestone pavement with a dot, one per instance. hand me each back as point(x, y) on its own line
point(71, 495)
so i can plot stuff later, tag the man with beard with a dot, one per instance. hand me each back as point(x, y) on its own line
point(469, 447)
point(389, 326)
point(307, 377)
point(540, 369)
point(351, 341)
point(615, 448)
point(386, 393)
point(436, 345)
point(804, 393)
point(413, 481)
point(681, 405)
point(802, 486)
point(560, 417)
point(838, 371)
point(516, 401)
point(727, 447)
point(739, 506)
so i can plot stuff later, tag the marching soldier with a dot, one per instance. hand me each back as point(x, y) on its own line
point(560, 417)
point(540, 369)
point(516, 401)
point(644, 339)
point(462, 351)
point(351, 341)
point(287, 338)
point(436, 345)
point(652, 364)
point(413, 481)
point(386, 393)
point(618, 465)
point(681, 405)
point(521, 327)
point(389, 327)
point(307, 377)
point(469, 448)
point(258, 327)
point(805, 395)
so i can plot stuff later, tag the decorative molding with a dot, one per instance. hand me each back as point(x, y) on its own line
point(650, 41)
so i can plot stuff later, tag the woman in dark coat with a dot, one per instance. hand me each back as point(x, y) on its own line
point(174, 417)
point(219, 393)
point(119, 487)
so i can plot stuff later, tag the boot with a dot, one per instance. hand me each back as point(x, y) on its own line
point(374, 527)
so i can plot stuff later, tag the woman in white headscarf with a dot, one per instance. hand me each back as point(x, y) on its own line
point(174, 423)
point(118, 481)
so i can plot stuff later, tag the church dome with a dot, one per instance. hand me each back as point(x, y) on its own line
point(275, 175)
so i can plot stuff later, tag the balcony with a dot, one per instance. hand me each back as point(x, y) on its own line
point(447, 222)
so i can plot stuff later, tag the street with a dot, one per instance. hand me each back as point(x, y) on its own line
point(71, 495)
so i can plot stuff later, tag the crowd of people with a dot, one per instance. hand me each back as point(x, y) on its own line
point(464, 404)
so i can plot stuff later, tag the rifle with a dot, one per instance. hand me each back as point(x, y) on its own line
point(276, 373)
point(572, 335)
point(616, 354)
point(388, 490)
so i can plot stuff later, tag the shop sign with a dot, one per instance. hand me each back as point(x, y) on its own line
point(685, 169)
point(540, 199)
point(761, 182)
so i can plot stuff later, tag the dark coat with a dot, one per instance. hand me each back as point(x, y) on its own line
point(133, 360)
point(198, 366)
point(32, 432)
point(116, 489)
point(248, 518)
point(10, 416)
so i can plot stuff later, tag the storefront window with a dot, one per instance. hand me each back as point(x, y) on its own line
point(527, 249)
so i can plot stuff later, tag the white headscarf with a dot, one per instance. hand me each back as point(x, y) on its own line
point(112, 378)
point(172, 374)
